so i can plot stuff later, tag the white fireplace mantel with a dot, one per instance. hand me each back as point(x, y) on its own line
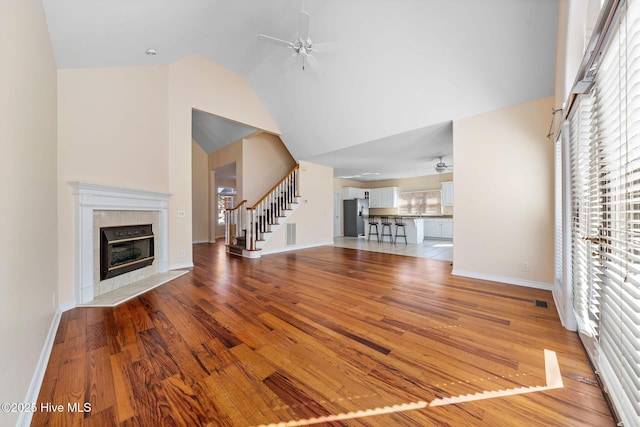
point(91, 197)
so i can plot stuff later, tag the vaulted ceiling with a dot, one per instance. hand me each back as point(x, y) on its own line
point(384, 97)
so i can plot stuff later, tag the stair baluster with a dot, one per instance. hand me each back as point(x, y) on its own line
point(253, 223)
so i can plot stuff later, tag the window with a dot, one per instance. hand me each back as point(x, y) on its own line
point(226, 200)
point(604, 157)
point(420, 202)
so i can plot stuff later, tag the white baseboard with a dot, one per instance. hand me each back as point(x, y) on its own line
point(566, 316)
point(196, 242)
point(503, 279)
point(181, 266)
point(295, 248)
point(24, 419)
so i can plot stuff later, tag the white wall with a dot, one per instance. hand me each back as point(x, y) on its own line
point(503, 214)
point(28, 247)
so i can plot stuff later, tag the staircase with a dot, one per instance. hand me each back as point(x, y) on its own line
point(247, 229)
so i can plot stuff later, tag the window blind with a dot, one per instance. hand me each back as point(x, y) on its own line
point(605, 219)
point(558, 244)
point(583, 215)
point(428, 201)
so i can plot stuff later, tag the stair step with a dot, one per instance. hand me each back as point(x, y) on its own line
point(236, 249)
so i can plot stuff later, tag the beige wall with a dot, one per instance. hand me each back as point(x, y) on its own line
point(503, 213)
point(28, 224)
point(261, 161)
point(428, 182)
point(265, 161)
point(231, 153)
point(112, 130)
point(111, 118)
point(195, 82)
point(200, 191)
point(340, 183)
point(314, 216)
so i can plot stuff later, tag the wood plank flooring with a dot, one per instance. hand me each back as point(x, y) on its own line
point(328, 335)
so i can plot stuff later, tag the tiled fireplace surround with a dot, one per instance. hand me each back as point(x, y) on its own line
point(101, 206)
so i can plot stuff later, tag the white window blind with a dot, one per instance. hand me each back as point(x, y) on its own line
point(605, 203)
point(412, 202)
point(582, 177)
point(558, 257)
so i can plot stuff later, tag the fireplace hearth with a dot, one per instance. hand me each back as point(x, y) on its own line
point(124, 249)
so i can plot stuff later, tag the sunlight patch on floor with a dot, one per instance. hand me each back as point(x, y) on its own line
point(553, 379)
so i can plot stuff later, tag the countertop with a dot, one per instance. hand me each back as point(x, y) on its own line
point(414, 216)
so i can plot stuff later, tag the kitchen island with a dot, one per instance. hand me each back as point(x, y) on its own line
point(414, 226)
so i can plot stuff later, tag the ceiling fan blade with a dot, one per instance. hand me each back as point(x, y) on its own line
point(313, 64)
point(326, 46)
point(303, 25)
point(274, 40)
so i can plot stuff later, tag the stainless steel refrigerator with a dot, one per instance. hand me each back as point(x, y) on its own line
point(355, 213)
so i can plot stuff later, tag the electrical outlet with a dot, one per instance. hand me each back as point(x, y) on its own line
point(181, 214)
point(524, 266)
point(183, 253)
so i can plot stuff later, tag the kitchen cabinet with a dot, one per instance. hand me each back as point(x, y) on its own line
point(433, 228)
point(384, 197)
point(446, 228)
point(438, 228)
point(447, 193)
point(349, 193)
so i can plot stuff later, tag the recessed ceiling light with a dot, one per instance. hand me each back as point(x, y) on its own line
point(151, 51)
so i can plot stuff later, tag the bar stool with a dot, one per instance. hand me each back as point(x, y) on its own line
point(399, 223)
point(386, 225)
point(373, 223)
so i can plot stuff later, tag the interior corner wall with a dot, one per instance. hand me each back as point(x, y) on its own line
point(314, 216)
point(112, 130)
point(28, 224)
point(200, 191)
point(195, 82)
point(265, 161)
point(504, 215)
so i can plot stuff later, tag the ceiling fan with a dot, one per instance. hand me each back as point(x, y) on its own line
point(442, 166)
point(302, 46)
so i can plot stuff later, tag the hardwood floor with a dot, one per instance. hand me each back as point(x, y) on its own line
point(324, 332)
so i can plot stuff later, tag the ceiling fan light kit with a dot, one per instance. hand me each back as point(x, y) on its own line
point(441, 166)
point(302, 46)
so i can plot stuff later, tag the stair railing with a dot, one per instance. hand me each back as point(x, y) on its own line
point(271, 206)
point(235, 222)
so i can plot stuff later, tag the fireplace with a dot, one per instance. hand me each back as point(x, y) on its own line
point(124, 249)
point(100, 206)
